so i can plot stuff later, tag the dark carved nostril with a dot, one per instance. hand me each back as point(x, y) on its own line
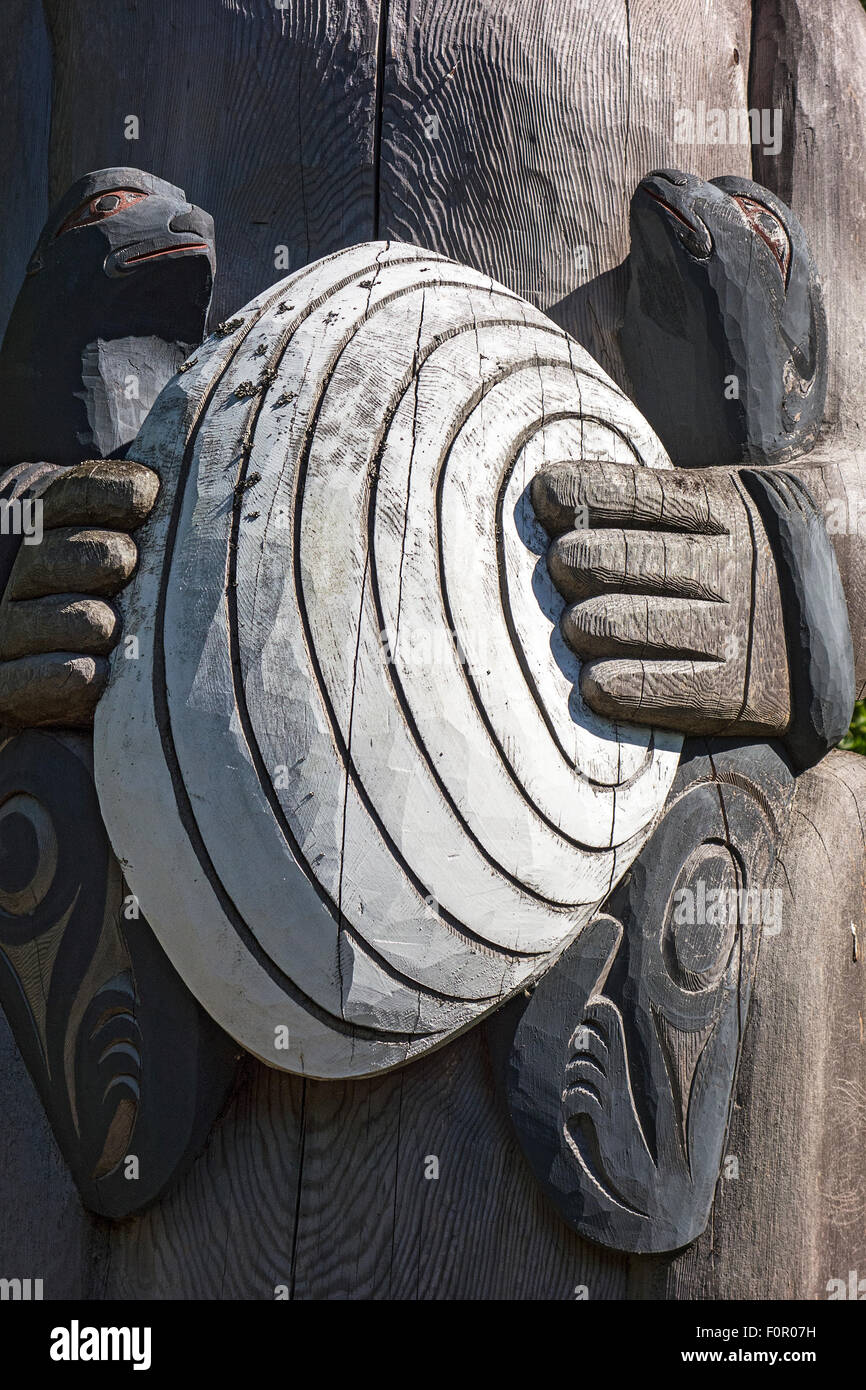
point(675, 176)
point(192, 220)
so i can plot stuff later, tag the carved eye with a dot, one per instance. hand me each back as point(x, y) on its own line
point(104, 205)
point(769, 229)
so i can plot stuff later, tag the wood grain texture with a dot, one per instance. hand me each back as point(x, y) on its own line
point(229, 1225)
point(264, 113)
point(115, 296)
point(317, 1190)
point(513, 136)
point(228, 1229)
point(25, 80)
point(673, 596)
point(45, 1232)
point(724, 336)
point(125, 1061)
point(795, 1198)
point(818, 636)
point(810, 61)
point(835, 475)
point(619, 1070)
point(53, 645)
point(428, 808)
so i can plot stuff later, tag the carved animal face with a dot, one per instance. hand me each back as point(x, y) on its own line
point(724, 337)
point(116, 293)
point(139, 234)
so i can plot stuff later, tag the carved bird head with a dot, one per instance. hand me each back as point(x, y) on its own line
point(115, 295)
point(724, 337)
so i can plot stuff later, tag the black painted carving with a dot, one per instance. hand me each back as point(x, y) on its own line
point(817, 632)
point(619, 1069)
point(115, 297)
point(125, 1060)
point(724, 336)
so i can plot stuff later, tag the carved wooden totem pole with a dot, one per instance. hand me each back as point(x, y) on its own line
point(414, 683)
point(117, 1047)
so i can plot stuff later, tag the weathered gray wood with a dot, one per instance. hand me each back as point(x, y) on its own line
point(640, 64)
point(423, 823)
point(724, 335)
point(619, 1069)
point(513, 136)
point(57, 624)
point(818, 636)
point(673, 598)
point(45, 1232)
point(318, 1190)
point(810, 61)
point(115, 296)
point(264, 113)
point(778, 1231)
point(130, 1069)
point(25, 80)
point(789, 1213)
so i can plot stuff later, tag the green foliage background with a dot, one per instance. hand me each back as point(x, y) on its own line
point(856, 735)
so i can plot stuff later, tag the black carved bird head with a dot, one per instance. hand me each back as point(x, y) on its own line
point(115, 295)
point(724, 337)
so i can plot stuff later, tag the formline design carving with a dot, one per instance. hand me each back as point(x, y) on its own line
point(108, 1031)
point(413, 561)
point(115, 296)
point(619, 1073)
point(724, 299)
point(131, 1070)
point(619, 1070)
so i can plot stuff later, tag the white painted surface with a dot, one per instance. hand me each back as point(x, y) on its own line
point(368, 842)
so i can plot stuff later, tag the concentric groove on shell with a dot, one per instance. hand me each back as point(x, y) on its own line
point(374, 850)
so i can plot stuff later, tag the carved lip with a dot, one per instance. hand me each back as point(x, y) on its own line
point(128, 258)
point(699, 243)
point(167, 251)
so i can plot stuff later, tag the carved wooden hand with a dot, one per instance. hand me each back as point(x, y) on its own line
point(57, 624)
point(673, 595)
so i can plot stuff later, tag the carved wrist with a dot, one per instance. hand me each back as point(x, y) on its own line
point(815, 614)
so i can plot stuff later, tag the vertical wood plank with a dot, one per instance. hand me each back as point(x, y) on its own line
point(546, 119)
point(25, 80)
point(226, 1231)
point(810, 62)
point(372, 1225)
point(265, 115)
point(513, 135)
point(347, 1161)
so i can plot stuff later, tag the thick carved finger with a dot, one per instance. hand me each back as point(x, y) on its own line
point(59, 689)
point(614, 494)
point(584, 563)
point(58, 623)
point(102, 492)
point(696, 697)
point(614, 625)
point(684, 695)
point(70, 560)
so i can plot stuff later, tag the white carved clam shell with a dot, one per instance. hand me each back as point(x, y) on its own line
point(350, 774)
